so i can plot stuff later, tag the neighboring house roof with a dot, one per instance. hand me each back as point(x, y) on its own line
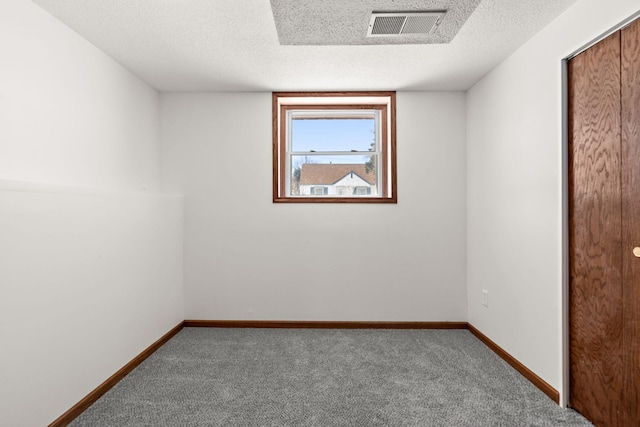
point(317, 174)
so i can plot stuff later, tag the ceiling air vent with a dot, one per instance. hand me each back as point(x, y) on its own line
point(403, 23)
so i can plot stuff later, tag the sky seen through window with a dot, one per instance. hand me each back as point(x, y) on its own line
point(343, 135)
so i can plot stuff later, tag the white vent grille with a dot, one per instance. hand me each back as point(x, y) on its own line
point(397, 24)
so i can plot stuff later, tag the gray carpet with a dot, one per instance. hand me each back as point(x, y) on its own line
point(307, 377)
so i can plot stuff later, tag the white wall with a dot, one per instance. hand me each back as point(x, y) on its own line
point(69, 114)
point(88, 277)
point(88, 280)
point(514, 184)
point(247, 258)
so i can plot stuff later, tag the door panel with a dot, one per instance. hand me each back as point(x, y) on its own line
point(595, 233)
point(630, 83)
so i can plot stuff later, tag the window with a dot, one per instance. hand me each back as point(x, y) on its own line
point(361, 191)
point(319, 191)
point(334, 147)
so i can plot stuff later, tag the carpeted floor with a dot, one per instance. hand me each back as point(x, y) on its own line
point(315, 377)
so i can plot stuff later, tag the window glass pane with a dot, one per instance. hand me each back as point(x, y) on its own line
point(335, 134)
point(334, 176)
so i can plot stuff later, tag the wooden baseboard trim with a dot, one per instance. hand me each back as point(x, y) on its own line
point(312, 324)
point(89, 399)
point(515, 364)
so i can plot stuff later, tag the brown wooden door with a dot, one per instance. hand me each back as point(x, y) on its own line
point(630, 174)
point(604, 202)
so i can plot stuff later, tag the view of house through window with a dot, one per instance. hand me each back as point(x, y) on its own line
point(338, 150)
point(334, 155)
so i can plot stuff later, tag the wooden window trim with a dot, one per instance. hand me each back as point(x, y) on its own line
point(388, 137)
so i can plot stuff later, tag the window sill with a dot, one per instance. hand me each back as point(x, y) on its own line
point(380, 200)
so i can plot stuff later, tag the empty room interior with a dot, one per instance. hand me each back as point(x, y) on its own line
point(148, 189)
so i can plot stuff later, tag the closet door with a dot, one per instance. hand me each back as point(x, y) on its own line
point(630, 80)
point(604, 230)
point(595, 232)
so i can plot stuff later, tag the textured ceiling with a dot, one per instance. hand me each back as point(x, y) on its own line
point(232, 45)
point(340, 22)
